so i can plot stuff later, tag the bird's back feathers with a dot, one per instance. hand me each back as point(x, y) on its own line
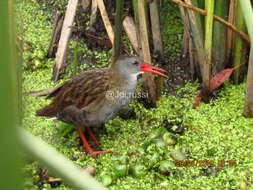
point(82, 91)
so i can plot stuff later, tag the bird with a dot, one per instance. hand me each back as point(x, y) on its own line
point(93, 97)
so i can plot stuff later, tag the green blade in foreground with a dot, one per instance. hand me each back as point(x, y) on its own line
point(57, 163)
point(10, 164)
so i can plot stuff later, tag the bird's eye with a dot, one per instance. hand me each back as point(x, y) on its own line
point(135, 63)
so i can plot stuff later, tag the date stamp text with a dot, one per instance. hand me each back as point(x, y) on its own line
point(205, 163)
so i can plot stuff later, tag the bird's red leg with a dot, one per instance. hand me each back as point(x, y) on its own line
point(87, 146)
point(93, 136)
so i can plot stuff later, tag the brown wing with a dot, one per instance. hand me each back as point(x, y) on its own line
point(80, 91)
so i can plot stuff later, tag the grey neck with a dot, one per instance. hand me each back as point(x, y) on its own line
point(128, 81)
point(123, 73)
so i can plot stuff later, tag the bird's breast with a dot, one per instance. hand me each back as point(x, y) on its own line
point(115, 99)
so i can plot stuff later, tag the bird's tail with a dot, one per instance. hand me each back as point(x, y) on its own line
point(48, 111)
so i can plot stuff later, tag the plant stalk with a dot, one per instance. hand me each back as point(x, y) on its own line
point(209, 5)
point(118, 30)
point(219, 37)
point(149, 84)
point(197, 39)
point(230, 35)
point(239, 47)
point(248, 15)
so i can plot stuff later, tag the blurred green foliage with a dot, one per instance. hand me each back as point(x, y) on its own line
point(10, 175)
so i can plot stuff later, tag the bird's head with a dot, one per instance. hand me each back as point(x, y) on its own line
point(133, 66)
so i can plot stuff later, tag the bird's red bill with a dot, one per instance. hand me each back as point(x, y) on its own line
point(151, 69)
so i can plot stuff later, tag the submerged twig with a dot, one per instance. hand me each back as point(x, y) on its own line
point(43, 92)
point(99, 40)
point(88, 169)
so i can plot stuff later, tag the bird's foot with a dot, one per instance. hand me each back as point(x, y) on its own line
point(95, 153)
point(87, 146)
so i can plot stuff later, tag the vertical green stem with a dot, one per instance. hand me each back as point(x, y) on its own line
point(200, 4)
point(239, 45)
point(118, 29)
point(198, 59)
point(197, 38)
point(248, 15)
point(219, 37)
point(9, 116)
point(230, 34)
point(200, 19)
point(247, 11)
point(209, 4)
point(136, 19)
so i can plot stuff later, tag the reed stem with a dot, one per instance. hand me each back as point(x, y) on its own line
point(219, 37)
point(248, 15)
point(118, 30)
point(209, 5)
point(238, 54)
